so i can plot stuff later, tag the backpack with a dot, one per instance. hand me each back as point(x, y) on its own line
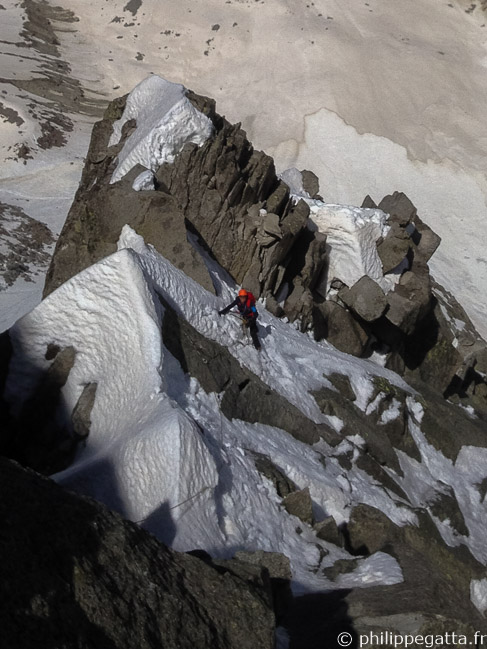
point(251, 303)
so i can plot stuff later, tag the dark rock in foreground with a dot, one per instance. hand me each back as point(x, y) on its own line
point(75, 575)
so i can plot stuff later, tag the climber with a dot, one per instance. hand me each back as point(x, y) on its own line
point(245, 302)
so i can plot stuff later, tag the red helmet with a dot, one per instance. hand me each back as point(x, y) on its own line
point(242, 292)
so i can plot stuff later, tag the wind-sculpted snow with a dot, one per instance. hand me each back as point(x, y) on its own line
point(166, 120)
point(161, 451)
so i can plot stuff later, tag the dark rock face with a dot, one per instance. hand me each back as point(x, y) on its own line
point(442, 598)
point(79, 576)
point(100, 211)
point(39, 433)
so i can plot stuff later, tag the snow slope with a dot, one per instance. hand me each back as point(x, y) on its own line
point(160, 450)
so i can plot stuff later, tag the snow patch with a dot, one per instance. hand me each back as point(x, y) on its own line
point(393, 412)
point(144, 182)
point(478, 594)
point(166, 121)
point(352, 234)
point(380, 568)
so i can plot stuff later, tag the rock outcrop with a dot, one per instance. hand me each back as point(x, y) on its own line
point(39, 432)
point(79, 576)
point(224, 192)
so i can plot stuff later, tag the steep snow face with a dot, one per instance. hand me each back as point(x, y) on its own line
point(352, 235)
point(145, 454)
point(166, 121)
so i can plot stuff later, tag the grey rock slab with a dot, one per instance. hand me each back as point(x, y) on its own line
point(393, 248)
point(365, 298)
point(399, 207)
point(299, 504)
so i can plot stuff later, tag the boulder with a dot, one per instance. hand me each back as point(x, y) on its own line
point(399, 208)
point(394, 248)
point(368, 203)
point(340, 328)
point(283, 485)
point(368, 530)
point(311, 183)
point(365, 298)
point(276, 563)
point(410, 301)
point(299, 504)
point(424, 239)
point(342, 383)
point(327, 530)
